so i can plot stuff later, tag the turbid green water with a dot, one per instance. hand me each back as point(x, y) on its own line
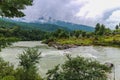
point(52, 57)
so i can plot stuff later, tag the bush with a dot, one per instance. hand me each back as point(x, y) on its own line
point(28, 68)
point(79, 68)
point(6, 70)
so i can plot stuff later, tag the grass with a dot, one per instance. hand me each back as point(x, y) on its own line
point(112, 40)
point(75, 41)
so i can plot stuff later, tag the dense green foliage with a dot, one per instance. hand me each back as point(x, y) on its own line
point(101, 30)
point(79, 69)
point(12, 8)
point(101, 36)
point(6, 70)
point(21, 34)
point(10, 35)
point(28, 61)
point(7, 41)
point(26, 70)
point(61, 35)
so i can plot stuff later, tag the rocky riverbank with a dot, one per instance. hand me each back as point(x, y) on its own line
point(61, 47)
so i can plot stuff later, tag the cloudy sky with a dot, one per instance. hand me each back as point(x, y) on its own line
point(88, 12)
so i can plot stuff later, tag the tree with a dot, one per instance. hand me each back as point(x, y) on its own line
point(79, 68)
point(83, 33)
point(117, 27)
point(7, 41)
point(28, 61)
point(77, 33)
point(108, 31)
point(119, 24)
point(97, 28)
point(6, 70)
point(12, 8)
point(63, 34)
point(100, 29)
point(60, 33)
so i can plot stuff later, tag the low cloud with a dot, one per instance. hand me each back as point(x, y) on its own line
point(88, 12)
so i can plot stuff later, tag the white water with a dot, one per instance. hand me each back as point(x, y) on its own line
point(52, 57)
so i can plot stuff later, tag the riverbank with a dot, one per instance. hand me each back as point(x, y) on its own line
point(65, 43)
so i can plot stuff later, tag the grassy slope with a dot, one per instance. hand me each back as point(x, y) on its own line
point(75, 41)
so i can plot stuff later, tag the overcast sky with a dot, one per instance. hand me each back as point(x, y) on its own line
point(88, 12)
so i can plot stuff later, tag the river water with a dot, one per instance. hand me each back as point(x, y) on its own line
point(52, 56)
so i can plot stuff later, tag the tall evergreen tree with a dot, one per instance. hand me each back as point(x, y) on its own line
point(97, 28)
point(117, 27)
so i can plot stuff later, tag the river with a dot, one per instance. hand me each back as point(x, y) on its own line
point(52, 56)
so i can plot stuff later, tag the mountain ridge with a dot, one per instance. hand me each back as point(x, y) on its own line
point(48, 25)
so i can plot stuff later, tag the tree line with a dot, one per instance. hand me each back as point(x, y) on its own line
point(101, 36)
point(22, 34)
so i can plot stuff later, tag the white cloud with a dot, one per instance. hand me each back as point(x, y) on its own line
point(95, 8)
point(115, 17)
point(87, 12)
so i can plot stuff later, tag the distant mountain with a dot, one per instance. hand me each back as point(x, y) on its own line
point(31, 25)
point(73, 26)
point(45, 25)
point(68, 25)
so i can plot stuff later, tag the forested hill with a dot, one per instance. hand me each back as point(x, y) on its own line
point(48, 26)
point(30, 26)
point(73, 26)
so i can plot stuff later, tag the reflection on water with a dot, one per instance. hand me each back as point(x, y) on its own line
point(52, 57)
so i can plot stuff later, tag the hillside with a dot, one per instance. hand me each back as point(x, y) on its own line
point(30, 26)
point(47, 26)
point(73, 26)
